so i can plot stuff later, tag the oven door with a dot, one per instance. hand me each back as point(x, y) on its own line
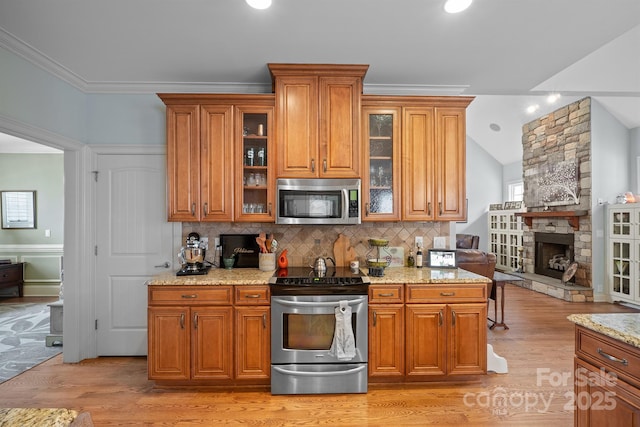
point(302, 328)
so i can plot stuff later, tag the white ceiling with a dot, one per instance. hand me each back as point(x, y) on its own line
point(507, 53)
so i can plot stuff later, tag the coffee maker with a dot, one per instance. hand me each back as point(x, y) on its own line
point(192, 256)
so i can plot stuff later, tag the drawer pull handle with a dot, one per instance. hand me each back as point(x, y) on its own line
point(253, 296)
point(390, 294)
point(625, 362)
point(453, 319)
point(447, 294)
point(190, 296)
point(440, 317)
point(182, 321)
point(195, 320)
point(264, 321)
point(375, 318)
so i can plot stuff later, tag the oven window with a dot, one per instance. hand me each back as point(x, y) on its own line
point(310, 331)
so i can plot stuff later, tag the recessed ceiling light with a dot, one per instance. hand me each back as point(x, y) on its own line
point(494, 127)
point(455, 6)
point(553, 98)
point(532, 108)
point(259, 4)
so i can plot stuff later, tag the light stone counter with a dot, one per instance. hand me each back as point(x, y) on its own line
point(624, 327)
point(253, 276)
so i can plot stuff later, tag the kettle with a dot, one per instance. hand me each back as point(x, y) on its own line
point(320, 264)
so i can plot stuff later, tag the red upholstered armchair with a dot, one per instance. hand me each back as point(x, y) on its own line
point(467, 241)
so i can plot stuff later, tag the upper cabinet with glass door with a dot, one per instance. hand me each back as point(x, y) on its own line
point(255, 181)
point(381, 174)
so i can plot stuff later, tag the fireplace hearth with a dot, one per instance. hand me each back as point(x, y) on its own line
point(554, 253)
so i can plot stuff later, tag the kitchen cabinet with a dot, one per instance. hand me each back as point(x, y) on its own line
point(318, 119)
point(434, 331)
point(607, 381)
point(431, 164)
point(255, 181)
point(446, 330)
point(253, 334)
point(190, 333)
point(201, 155)
point(434, 168)
point(623, 252)
point(209, 335)
point(381, 171)
point(386, 331)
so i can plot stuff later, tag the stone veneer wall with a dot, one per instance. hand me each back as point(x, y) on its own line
point(300, 240)
point(560, 136)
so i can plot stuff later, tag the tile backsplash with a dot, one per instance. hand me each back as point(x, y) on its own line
point(301, 240)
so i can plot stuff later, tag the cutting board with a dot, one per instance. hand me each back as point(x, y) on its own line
point(343, 253)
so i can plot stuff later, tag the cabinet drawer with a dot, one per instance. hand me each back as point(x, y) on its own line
point(607, 352)
point(11, 274)
point(444, 293)
point(183, 295)
point(386, 294)
point(251, 295)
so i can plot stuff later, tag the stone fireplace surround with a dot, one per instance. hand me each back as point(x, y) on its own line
point(563, 135)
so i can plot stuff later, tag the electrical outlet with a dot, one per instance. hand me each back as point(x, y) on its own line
point(419, 242)
point(216, 242)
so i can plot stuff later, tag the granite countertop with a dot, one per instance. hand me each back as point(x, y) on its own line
point(20, 417)
point(253, 276)
point(624, 327)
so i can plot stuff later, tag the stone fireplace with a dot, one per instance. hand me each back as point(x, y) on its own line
point(558, 234)
point(554, 252)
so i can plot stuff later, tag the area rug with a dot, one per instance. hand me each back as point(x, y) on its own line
point(23, 330)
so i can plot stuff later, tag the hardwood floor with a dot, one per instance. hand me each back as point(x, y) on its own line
point(539, 348)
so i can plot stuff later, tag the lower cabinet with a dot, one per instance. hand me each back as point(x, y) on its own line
point(607, 381)
point(209, 334)
point(435, 331)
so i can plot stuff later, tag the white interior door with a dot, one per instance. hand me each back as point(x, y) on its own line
point(134, 243)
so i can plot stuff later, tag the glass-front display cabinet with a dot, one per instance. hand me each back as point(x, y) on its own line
point(381, 172)
point(255, 198)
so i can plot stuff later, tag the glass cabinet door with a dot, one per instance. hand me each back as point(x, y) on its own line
point(381, 172)
point(254, 201)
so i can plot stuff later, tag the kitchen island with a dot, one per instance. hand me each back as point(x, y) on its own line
point(214, 329)
point(607, 369)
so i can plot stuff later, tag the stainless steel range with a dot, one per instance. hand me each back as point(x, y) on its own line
point(316, 347)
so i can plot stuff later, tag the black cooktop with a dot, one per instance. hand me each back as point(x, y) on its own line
point(292, 280)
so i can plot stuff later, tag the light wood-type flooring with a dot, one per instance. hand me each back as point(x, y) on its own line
point(537, 391)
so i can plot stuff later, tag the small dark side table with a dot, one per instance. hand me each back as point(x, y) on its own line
point(12, 275)
point(499, 280)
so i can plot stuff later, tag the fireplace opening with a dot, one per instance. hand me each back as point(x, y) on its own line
point(554, 253)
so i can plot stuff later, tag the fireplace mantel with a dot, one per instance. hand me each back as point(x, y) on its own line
point(572, 216)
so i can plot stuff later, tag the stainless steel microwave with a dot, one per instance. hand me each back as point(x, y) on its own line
point(318, 201)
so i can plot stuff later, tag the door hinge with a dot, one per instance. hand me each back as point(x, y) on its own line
point(96, 325)
point(95, 175)
point(95, 250)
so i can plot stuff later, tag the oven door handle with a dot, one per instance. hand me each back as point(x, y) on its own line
point(351, 302)
point(318, 374)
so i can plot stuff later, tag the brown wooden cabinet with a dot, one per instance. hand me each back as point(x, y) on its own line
point(433, 146)
point(434, 331)
point(318, 119)
point(209, 334)
point(607, 381)
point(381, 166)
point(255, 164)
point(386, 331)
point(202, 130)
point(432, 172)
